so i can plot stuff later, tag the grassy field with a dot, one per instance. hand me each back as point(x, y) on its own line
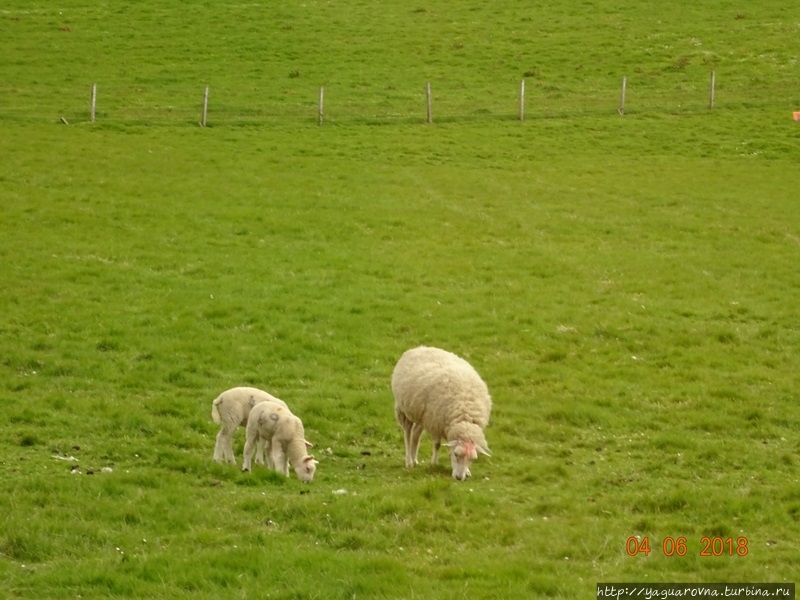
point(627, 287)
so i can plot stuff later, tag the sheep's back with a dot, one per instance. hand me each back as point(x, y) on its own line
point(434, 387)
point(251, 396)
point(236, 403)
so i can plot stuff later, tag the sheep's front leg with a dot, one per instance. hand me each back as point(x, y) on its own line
point(279, 459)
point(436, 445)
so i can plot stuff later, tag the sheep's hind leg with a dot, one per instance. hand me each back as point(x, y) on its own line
point(260, 452)
point(219, 453)
point(268, 454)
point(223, 450)
point(416, 434)
point(229, 450)
point(249, 447)
point(407, 426)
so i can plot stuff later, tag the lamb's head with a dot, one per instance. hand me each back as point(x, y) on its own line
point(462, 453)
point(305, 470)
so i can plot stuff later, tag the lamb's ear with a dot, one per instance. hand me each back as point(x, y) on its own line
point(483, 451)
point(451, 444)
point(308, 458)
point(308, 444)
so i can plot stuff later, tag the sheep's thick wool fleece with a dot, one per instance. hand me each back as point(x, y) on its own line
point(440, 391)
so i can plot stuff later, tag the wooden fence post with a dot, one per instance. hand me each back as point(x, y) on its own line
point(429, 102)
point(621, 109)
point(321, 108)
point(94, 102)
point(522, 100)
point(204, 119)
point(711, 93)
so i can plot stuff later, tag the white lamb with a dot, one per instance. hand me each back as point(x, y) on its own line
point(439, 392)
point(231, 409)
point(285, 440)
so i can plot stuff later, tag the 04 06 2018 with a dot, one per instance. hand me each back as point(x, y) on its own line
point(678, 546)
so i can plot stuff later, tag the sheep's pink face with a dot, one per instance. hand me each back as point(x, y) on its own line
point(305, 470)
point(462, 454)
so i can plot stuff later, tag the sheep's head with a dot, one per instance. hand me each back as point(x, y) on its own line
point(305, 470)
point(461, 455)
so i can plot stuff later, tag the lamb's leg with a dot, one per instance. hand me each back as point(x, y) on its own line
point(229, 448)
point(279, 459)
point(219, 453)
point(223, 450)
point(249, 447)
point(268, 454)
point(260, 451)
point(285, 464)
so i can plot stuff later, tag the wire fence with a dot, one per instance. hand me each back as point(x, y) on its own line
point(150, 103)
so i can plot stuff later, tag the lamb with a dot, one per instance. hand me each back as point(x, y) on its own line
point(231, 409)
point(439, 392)
point(285, 439)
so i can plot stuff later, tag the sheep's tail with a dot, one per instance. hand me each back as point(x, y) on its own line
point(215, 410)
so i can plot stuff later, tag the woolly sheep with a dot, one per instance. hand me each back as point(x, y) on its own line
point(439, 392)
point(230, 409)
point(285, 440)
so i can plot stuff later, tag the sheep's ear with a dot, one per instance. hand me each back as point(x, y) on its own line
point(308, 458)
point(483, 451)
point(451, 444)
point(308, 444)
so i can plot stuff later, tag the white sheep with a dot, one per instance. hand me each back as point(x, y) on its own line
point(230, 409)
point(439, 392)
point(285, 439)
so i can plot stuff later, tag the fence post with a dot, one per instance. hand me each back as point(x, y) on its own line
point(204, 119)
point(429, 102)
point(94, 102)
point(711, 93)
point(320, 107)
point(522, 100)
point(621, 109)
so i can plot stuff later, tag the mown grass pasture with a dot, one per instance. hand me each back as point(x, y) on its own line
point(626, 285)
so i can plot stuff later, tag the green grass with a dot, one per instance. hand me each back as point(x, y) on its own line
point(264, 63)
point(625, 285)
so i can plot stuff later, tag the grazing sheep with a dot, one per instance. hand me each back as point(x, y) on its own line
point(285, 439)
point(231, 409)
point(439, 392)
